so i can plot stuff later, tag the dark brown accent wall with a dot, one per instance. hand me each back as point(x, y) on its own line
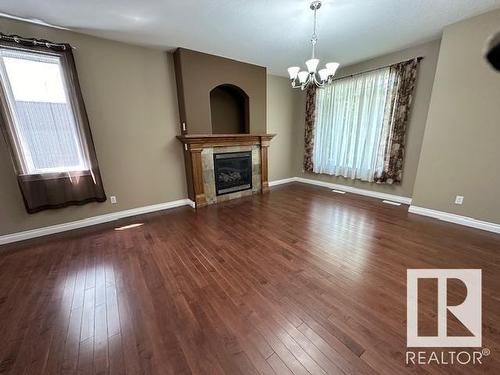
point(198, 73)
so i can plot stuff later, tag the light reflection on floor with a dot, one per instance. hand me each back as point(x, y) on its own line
point(130, 226)
point(89, 310)
point(345, 232)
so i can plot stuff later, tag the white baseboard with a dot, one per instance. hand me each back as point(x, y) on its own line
point(353, 190)
point(344, 188)
point(456, 219)
point(26, 235)
point(281, 182)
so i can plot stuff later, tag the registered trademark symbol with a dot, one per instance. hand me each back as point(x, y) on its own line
point(486, 352)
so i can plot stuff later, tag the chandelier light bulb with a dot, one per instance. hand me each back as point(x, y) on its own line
point(332, 68)
point(312, 64)
point(303, 76)
point(293, 71)
point(323, 75)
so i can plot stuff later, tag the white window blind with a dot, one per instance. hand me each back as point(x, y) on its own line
point(45, 130)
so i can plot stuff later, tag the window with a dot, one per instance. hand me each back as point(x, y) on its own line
point(44, 126)
point(350, 126)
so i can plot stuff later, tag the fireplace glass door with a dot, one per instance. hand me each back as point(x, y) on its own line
point(233, 172)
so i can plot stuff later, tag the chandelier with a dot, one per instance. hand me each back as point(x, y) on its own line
point(302, 79)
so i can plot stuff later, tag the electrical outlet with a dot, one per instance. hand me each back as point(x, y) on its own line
point(459, 199)
point(112, 199)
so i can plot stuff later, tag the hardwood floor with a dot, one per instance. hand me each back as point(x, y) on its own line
point(299, 281)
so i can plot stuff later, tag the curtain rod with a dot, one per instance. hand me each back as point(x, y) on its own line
point(41, 42)
point(419, 58)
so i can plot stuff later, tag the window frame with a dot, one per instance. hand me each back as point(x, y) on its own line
point(24, 154)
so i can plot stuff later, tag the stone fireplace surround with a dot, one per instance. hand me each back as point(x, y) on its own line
point(207, 163)
point(199, 150)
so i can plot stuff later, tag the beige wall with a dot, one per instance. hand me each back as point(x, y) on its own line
point(416, 125)
point(131, 101)
point(461, 149)
point(282, 103)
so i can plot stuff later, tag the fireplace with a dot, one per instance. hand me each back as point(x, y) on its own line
point(221, 167)
point(233, 172)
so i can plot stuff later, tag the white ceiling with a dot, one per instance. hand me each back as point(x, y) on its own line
point(272, 33)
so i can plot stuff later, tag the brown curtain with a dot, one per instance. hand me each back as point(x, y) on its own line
point(309, 128)
point(55, 189)
point(397, 112)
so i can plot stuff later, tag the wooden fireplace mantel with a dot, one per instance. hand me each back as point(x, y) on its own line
point(195, 143)
point(215, 140)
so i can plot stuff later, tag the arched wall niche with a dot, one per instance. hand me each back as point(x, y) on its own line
point(229, 110)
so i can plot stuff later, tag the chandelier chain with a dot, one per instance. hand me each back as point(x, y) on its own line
point(314, 38)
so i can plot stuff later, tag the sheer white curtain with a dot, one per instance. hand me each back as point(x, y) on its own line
point(350, 126)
